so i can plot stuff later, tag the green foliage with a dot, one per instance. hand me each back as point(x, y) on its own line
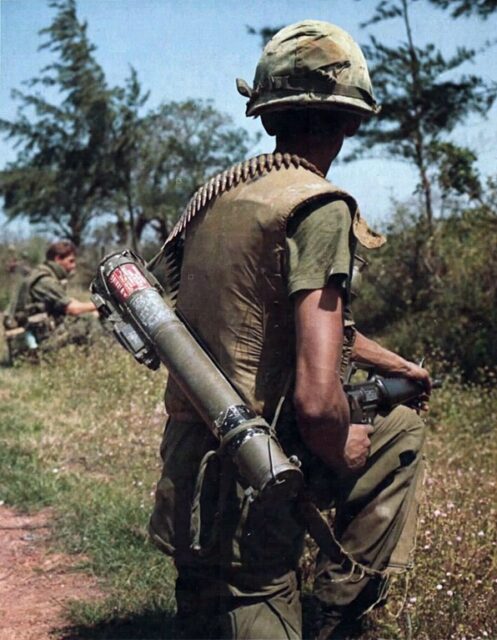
point(456, 170)
point(450, 592)
point(123, 154)
point(95, 465)
point(435, 297)
point(482, 8)
point(424, 97)
point(56, 180)
point(23, 481)
point(178, 147)
point(91, 153)
point(453, 588)
point(81, 432)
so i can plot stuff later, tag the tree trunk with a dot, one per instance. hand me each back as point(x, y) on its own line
point(419, 142)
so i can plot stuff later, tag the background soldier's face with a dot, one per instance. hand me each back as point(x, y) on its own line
point(68, 263)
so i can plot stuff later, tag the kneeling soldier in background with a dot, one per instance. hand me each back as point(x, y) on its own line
point(37, 317)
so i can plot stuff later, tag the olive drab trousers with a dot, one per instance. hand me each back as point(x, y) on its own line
point(246, 584)
point(375, 522)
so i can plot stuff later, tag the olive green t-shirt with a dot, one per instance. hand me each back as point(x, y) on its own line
point(319, 248)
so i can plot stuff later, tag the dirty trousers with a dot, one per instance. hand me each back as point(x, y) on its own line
point(375, 521)
point(246, 585)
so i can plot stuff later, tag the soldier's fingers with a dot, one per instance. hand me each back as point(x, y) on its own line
point(367, 428)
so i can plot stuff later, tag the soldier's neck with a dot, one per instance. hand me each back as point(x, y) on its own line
point(320, 153)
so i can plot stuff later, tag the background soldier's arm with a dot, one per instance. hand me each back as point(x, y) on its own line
point(76, 307)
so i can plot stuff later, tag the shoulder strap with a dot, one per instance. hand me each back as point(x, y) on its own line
point(37, 274)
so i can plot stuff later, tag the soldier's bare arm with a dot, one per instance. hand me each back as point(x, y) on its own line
point(76, 307)
point(367, 351)
point(321, 405)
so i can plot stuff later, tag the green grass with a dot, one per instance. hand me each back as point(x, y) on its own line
point(80, 433)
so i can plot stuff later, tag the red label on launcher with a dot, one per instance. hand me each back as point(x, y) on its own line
point(126, 280)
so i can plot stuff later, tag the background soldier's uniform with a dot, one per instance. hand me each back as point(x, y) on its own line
point(269, 233)
point(43, 292)
point(45, 289)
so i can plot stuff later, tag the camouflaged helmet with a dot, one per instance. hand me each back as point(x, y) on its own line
point(310, 63)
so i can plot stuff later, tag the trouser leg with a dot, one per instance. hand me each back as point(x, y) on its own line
point(210, 609)
point(276, 618)
point(375, 521)
point(242, 585)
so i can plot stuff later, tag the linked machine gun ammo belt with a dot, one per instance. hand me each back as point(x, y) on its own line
point(129, 298)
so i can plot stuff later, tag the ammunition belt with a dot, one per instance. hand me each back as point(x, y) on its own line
point(216, 186)
point(232, 177)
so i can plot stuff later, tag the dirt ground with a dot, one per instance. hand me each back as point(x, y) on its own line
point(35, 584)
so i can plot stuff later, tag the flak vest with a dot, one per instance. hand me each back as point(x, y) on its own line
point(233, 288)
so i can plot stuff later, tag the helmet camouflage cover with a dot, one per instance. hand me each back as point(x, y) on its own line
point(311, 63)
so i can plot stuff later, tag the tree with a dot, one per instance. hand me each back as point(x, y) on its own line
point(264, 33)
point(453, 323)
point(127, 145)
point(57, 179)
point(482, 8)
point(93, 153)
point(423, 101)
point(177, 148)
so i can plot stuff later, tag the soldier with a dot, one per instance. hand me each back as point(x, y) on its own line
point(35, 317)
point(267, 256)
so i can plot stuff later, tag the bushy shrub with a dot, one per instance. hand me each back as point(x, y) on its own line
point(435, 295)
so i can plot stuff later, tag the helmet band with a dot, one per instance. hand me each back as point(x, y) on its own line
point(290, 85)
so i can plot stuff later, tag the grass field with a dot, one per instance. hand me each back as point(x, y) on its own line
point(81, 433)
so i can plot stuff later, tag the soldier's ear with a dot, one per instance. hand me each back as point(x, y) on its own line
point(352, 125)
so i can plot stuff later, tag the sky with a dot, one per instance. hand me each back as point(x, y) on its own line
point(197, 48)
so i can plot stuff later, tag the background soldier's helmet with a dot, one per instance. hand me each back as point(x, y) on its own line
point(310, 63)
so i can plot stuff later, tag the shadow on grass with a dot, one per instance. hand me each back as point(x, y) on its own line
point(144, 626)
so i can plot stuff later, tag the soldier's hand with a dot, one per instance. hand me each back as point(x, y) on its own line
point(357, 447)
point(415, 372)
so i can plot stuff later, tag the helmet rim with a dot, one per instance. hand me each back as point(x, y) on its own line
point(261, 105)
